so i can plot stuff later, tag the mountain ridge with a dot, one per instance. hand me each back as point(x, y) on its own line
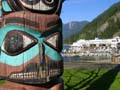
point(73, 27)
point(105, 26)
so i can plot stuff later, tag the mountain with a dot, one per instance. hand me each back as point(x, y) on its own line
point(106, 25)
point(72, 28)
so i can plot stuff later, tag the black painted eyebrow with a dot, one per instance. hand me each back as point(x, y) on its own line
point(21, 21)
point(32, 2)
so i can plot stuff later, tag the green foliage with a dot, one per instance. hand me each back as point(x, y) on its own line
point(99, 79)
point(2, 81)
point(90, 30)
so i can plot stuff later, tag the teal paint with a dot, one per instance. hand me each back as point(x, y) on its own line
point(19, 59)
point(8, 28)
point(5, 6)
point(0, 12)
point(52, 53)
point(29, 54)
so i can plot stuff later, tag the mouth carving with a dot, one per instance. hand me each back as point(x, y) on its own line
point(33, 74)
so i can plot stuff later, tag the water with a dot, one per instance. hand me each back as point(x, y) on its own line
point(66, 47)
point(84, 58)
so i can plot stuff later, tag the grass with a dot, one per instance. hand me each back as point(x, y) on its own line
point(2, 81)
point(99, 79)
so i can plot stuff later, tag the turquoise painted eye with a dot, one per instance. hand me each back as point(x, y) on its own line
point(13, 43)
point(16, 42)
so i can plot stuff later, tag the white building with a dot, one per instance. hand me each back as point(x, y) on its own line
point(103, 50)
point(96, 44)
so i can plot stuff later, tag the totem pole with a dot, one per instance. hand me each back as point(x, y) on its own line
point(30, 45)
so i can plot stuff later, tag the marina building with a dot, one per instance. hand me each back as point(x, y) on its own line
point(101, 49)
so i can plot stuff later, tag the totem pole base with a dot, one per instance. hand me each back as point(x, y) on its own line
point(54, 85)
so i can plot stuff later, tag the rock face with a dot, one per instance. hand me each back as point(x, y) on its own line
point(106, 25)
point(110, 23)
point(72, 28)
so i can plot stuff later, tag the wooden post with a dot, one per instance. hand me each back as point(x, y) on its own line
point(56, 85)
point(31, 42)
point(116, 59)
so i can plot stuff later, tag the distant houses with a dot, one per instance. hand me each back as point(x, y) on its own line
point(97, 47)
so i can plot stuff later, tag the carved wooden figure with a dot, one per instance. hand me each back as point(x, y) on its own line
point(31, 42)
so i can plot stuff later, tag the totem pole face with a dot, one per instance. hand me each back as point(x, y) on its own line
point(40, 6)
point(31, 41)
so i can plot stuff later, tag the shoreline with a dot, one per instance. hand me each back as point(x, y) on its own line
point(91, 65)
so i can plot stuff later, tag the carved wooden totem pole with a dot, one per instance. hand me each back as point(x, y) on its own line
point(31, 42)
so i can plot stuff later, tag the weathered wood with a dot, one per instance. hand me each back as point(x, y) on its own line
point(54, 85)
point(30, 41)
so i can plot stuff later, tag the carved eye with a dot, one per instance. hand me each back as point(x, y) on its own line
point(50, 2)
point(39, 5)
point(54, 41)
point(16, 42)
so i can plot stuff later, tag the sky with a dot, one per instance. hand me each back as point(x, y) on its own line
point(79, 10)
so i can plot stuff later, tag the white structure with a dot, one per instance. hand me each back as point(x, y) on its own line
point(96, 45)
point(102, 50)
